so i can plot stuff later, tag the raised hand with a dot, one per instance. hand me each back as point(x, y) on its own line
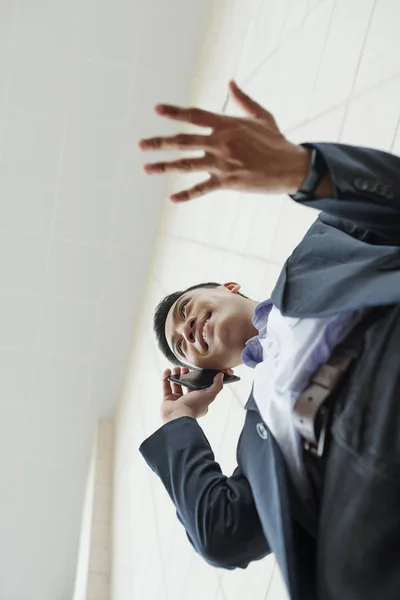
point(244, 153)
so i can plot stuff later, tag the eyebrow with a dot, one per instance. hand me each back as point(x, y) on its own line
point(174, 315)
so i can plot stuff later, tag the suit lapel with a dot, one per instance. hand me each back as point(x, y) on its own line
point(332, 272)
point(281, 506)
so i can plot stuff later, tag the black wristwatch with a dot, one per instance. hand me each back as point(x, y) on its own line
point(316, 172)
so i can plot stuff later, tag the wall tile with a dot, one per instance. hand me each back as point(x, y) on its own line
point(19, 320)
point(380, 107)
point(76, 271)
point(15, 389)
point(380, 54)
point(31, 146)
point(26, 204)
point(100, 92)
point(13, 434)
point(22, 261)
point(109, 33)
point(339, 62)
point(47, 25)
point(83, 212)
point(38, 83)
point(68, 328)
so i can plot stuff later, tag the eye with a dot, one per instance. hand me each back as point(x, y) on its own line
point(183, 306)
point(179, 347)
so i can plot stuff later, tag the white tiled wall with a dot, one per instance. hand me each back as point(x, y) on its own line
point(330, 71)
point(92, 581)
point(78, 79)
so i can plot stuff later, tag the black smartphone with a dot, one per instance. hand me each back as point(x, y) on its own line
point(200, 379)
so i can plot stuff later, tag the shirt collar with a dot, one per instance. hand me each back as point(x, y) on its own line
point(253, 352)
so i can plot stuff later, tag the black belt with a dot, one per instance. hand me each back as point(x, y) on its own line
point(312, 411)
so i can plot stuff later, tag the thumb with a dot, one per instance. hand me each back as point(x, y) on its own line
point(217, 385)
point(247, 104)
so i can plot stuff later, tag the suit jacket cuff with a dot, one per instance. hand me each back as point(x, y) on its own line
point(361, 174)
point(170, 439)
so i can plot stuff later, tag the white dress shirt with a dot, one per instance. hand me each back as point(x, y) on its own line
point(292, 350)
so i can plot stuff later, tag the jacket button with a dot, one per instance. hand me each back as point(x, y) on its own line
point(360, 184)
point(380, 189)
point(262, 431)
point(389, 193)
point(372, 186)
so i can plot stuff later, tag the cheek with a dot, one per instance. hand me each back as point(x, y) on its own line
point(226, 330)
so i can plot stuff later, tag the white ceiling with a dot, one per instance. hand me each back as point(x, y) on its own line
point(78, 79)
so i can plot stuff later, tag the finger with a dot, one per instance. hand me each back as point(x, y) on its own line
point(166, 385)
point(205, 187)
point(247, 104)
point(183, 165)
point(196, 116)
point(228, 371)
point(217, 385)
point(176, 388)
point(181, 141)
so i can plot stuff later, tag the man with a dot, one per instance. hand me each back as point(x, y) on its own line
point(318, 477)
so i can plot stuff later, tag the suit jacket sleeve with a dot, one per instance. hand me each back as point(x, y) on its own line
point(218, 512)
point(367, 188)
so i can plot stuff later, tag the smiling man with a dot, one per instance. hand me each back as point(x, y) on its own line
point(318, 476)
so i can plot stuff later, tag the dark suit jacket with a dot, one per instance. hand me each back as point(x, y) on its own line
point(349, 259)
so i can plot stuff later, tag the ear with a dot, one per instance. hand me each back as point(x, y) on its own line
point(232, 286)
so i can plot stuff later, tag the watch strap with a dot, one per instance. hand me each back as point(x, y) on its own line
point(316, 172)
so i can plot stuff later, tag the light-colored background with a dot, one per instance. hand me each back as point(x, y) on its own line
point(77, 81)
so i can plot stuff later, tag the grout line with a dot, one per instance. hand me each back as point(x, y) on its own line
point(76, 120)
point(321, 56)
point(5, 106)
point(349, 98)
point(270, 581)
point(63, 299)
point(11, 49)
point(226, 250)
point(280, 43)
point(396, 130)
point(220, 590)
point(235, 70)
point(63, 139)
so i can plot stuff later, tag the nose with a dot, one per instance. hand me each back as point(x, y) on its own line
point(189, 330)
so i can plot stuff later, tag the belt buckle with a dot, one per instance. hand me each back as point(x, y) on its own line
point(319, 448)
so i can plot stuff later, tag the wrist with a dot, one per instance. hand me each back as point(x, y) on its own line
point(178, 414)
point(296, 169)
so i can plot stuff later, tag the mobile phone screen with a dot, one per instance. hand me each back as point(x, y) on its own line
point(200, 379)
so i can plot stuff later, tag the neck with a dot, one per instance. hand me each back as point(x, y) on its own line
point(251, 331)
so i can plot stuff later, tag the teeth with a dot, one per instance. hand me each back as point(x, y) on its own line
point(204, 334)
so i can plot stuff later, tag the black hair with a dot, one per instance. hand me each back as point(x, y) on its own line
point(160, 317)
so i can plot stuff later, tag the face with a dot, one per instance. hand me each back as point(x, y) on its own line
point(209, 327)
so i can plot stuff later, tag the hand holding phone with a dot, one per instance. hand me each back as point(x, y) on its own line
point(194, 403)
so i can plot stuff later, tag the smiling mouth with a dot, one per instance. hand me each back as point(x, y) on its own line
point(202, 332)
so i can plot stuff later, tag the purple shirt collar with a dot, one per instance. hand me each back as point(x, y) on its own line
point(253, 352)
